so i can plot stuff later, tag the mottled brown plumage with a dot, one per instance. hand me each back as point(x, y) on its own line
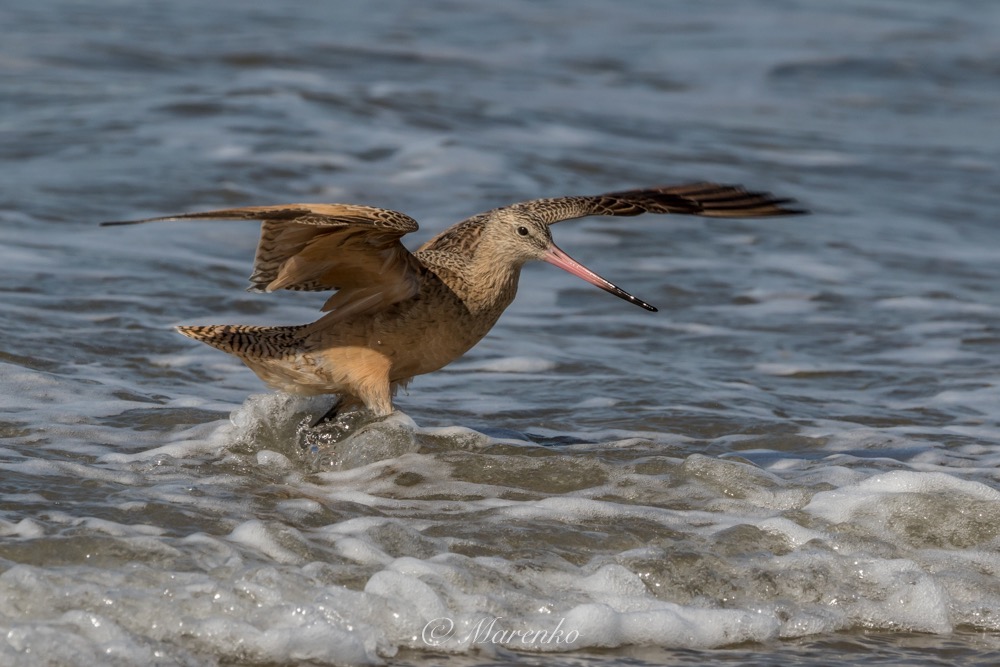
point(396, 314)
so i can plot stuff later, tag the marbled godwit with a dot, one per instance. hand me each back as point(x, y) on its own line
point(397, 314)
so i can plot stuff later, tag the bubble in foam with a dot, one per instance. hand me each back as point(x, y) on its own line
point(274, 460)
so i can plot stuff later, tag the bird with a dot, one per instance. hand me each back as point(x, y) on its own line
point(395, 314)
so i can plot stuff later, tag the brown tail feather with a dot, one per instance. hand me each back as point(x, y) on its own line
point(245, 341)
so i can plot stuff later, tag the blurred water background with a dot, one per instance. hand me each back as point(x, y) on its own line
point(793, 462)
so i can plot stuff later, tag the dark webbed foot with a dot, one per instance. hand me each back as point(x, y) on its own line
point(320, 441)
point(330, 415)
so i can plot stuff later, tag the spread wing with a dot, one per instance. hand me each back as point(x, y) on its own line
point(355, 250)
point(710, 200)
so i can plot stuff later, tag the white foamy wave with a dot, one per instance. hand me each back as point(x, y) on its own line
point(506, 365)
point(449, 540)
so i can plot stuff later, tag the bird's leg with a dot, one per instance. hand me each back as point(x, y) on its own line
point(330, 414)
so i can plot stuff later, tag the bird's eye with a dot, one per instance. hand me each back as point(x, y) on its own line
point(522, 231)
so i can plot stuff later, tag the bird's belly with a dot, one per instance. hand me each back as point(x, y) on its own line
point(428, 348)
point(415, 338)
point(331, 370)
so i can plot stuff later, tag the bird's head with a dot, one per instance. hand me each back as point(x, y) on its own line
point(515, 237)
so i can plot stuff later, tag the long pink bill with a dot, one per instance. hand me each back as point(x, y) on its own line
point(557, 257)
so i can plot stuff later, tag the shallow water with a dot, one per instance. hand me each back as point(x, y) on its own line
point(794, 461)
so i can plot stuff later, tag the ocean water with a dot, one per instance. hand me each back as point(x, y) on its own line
point(794, 462)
